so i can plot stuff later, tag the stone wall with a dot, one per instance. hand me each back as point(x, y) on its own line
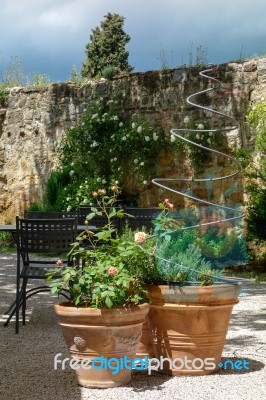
point(32, 121)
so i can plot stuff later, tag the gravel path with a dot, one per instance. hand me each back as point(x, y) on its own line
point(27, 372)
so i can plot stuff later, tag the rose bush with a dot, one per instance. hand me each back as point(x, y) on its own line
point(100, 275)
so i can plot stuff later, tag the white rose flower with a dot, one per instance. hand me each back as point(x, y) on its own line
point(139, 130)
point(200, 126)
point(121, 124)
point(115, 159)
point(115, 118)
point(140, 237)
point(172, 138)
point(197, 136)
point(147, 138)
point(155, 136)
point(94, 115)
point(145, 182)
point(124, 138)
point(186, 120)
point(133, 125)
point(142, 163)
point(71, 172)
point(136, 161)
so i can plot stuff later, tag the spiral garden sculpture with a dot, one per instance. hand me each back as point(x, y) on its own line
point(210, 213)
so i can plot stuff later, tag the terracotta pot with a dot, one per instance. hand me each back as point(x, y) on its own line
point(189, 323)
point(110, 333)
point(145, 346)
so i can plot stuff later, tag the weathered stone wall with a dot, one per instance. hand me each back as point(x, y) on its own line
point(32, 121)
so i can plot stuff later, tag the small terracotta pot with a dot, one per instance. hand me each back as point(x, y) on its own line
point(188, 324)
point(108, 333)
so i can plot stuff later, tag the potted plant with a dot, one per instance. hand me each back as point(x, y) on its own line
point(191, 300)
point(102, 322)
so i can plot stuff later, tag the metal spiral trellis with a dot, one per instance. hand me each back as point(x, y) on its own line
point(164, 183)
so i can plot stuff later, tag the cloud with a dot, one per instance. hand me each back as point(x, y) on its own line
point(53, 34)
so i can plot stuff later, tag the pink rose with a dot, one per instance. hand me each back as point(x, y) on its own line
point(101, 191)
point(114, 188)
point(140, 237)
point(112, 271)
point(95, 194)
point(167, 204)
point(59, 262)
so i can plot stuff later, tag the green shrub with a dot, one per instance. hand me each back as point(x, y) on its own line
point(256, 174)
point(104, 149)
point(109, 72)
point(7, 243)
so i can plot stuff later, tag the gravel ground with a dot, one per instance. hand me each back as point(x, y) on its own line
point(27, 371)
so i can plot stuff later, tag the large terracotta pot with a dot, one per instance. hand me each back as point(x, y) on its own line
point(188, 323)
point(110, 333)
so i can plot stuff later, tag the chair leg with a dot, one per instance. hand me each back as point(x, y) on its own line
point(18, 297)
point(12, 309)
point(24, 285)
point(18, 292)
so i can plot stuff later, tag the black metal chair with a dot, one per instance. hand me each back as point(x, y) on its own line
point(39, 237)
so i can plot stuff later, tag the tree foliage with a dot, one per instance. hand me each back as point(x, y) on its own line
point(107, 47)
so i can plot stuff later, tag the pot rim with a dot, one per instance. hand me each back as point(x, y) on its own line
point(186, 285)
point(67, 305)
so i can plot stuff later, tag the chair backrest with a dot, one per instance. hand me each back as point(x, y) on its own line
point(141, 216)
point(50, 214)
point(49, 236)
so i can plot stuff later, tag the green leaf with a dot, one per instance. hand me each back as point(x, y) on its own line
point(121, 214)
point(55, 289)
point(90, 216)
point(108, 302)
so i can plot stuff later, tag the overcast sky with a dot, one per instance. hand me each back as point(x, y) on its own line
point(49, 36)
